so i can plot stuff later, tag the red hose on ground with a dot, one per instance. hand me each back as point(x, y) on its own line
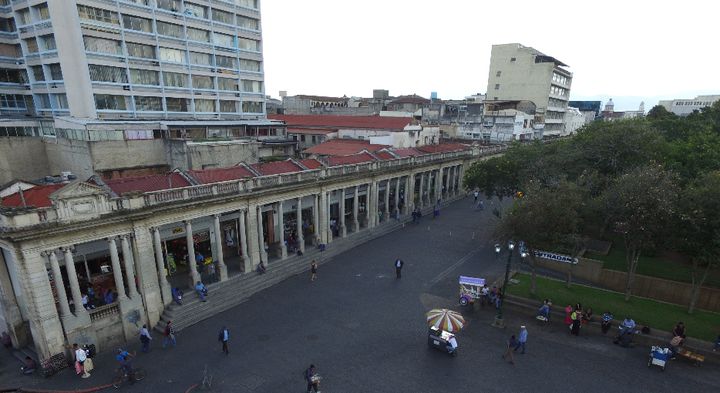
point(191, 388)
point(88, 390)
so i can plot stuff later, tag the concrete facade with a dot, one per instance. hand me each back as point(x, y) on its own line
point(51, 256)
point(686, 106)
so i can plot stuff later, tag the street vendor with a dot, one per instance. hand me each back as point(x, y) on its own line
point(452, 343)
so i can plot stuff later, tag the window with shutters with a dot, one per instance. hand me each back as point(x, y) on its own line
point(252, 107)
point(223, 17)
point(249, 86)
point(228, 106)
point(98, 15)
point(225, 62)
point(110, 102)
point(227, 84)
point(248, 44)
point(170, 30)
point(169, 5)
point(249, 65)
point(248, 23)
point(138, 24)
point(172, 55)
point(202, 82)
point(223, 40)
point(55, 72)
point(204, 105)
point(196, 10)
point(177, 104)
point(145, 77)
point(102, 45)
point(140, 50)
point(148, 104)
point(200, 58)
point(198, 35)
point(175, 79)
point(101, 73)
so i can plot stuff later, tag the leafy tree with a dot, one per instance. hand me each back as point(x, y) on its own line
point(698, 233)
point(658, 112)
point(641, 203)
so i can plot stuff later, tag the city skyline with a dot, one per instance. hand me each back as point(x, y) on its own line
point(409, 47)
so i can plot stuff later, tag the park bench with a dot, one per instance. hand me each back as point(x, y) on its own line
point(692, 356)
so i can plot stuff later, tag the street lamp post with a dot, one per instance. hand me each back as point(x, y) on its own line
point(499, 321)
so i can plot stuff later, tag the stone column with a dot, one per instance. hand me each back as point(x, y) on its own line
point(17, 330)
point(129, 266)
point(194, 275)
point(343, 230)
point(299, 229)
point(409, 193)
point(330, 234)
point(80, 311)
point(387, 200)
point(421, 202)
point(454, 180)
point(430, 201)
point(247, 260)
point(447, 182)
point(281, 224)
point(461, 173)
point(222, 267)
point(368, 203)
point(152, 294)
point(117, 271)
point(165, 290)
point(261, 235)
point(397, 198)
point(324, 217)
point(355, 222)
point(372, 204)
point(316, 219)
point(59, 285)
point(252, 237)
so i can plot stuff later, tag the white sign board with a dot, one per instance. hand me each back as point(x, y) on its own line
point(556, 257)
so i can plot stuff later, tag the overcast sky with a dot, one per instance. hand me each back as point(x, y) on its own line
point(629, 50)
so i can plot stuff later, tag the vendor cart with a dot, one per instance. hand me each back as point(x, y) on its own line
point(659, 357)
point(470, 289)
point(439, 339)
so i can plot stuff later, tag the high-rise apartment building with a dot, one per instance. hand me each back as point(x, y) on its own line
point(522, 73)
point(131, 59)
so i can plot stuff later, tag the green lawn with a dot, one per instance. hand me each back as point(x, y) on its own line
point(652, 266)
point(658, 316)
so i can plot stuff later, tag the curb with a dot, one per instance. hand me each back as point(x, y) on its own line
point(86, 390)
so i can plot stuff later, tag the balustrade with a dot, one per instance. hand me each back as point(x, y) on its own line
point(106, 311)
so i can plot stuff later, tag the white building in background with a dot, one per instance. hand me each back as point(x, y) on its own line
point(574, 120)
point(686, 106)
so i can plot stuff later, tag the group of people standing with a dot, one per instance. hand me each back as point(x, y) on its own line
point(576, 317)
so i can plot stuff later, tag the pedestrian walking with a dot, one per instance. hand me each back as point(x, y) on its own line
point(312, 378)
point(576, 317)
point(522, 339)
point(80, 357)
point(212, 277)
point(169, 334)
point(145, 338)
point(476, 194)
point(224, 338)
point(398, 267)
point(511, 343)
point(313, 270)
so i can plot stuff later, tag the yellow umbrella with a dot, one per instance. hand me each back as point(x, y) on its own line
point(448, 320)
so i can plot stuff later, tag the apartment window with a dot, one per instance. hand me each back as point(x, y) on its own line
point(198, 35)
point(110, 102)
point(141, 2)
point(137, 23)
point(174, 79)
point(196, 10)
point(252, 107)
point(140, 50)
point(223, 17)
point(227, 84)
point(200, 58)
point(42, 11)
point(148, 104)
point(177, 104)
point(172, 55)
point(38, 74)
point(249, 65)
point(248, 44)
point(228, 106)
point(251, 86)
point(12, 101)
point(169, 29)
point(204, 105)
point(223, 40)
point(61, 101)
point(13, 76)
point(102, 45)
point(55, 72)
point(497, 86)
point(225, 61)
point(7, 25)
point(169, 5)
point(23, 16)
point(98, 15)
point(48, 42)
point(498, 73)
point(248, 23)
point(43, 101)
point(202, 82)
point(32, 45)
point(145, 77)
point(101, 73)
point(247, 3)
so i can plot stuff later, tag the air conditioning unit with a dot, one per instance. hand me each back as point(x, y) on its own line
point(126, 87)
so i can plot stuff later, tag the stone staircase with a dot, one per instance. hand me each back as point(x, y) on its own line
point(237, 289)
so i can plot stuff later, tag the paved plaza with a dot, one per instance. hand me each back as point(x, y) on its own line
point(365, 331)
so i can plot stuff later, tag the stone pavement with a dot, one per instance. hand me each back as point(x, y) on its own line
point(365, 331)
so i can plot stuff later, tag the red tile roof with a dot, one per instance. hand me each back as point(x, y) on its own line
point(343, 147)
point(207, 176)
point(384, 155)
point(407, 152)
point(310, 131)
point(442, 148)
point(353, 159)
point(311, 163)
point(38, 196)
point(147, 183)
point(276, 167)
point(347, 122)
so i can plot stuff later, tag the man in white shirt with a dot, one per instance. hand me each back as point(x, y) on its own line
point(398, 267)
point(80, 357)
point(452, 344)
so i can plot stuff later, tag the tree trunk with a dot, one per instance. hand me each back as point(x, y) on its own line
point(697, 283)
point(632, 255)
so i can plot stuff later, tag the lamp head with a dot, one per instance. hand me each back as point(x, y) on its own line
point(511, 245)
point(497, 248)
